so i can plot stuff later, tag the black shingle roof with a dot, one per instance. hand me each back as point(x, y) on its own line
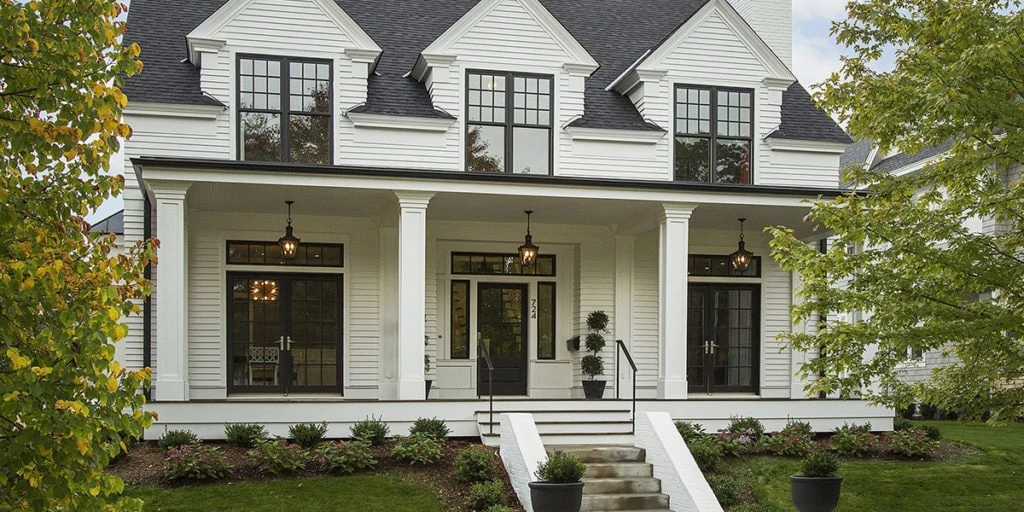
point(904, 159)
point(856, 153)
point(114, 223)
point(615, 33)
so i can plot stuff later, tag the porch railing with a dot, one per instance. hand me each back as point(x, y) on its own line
point(621, 349)
point(482, 350)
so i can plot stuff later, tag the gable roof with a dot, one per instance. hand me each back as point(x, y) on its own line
point(114, 223)
point(860, 152)
point(614, 33)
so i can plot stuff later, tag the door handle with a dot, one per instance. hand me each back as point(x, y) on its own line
point(713, 346)
point(706, 347)
point(280, 343)
point(288, 343)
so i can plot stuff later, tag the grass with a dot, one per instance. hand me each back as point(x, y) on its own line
point(989, 482)
point(323, 494)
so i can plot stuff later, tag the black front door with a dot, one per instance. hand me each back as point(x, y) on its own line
point(722, 338)
point(284, 333)
point(501, 327)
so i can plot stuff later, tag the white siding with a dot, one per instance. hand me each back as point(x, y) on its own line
point(509, 34)
point(798, 169)
point(773, 21)
point(645, 326)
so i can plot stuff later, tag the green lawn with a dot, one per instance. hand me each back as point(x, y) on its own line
point(324, 494)
point(992, 482)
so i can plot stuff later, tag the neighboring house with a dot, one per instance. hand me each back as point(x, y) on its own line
point(412, 135)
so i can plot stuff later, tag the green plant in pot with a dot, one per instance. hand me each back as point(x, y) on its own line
point(817, 487)
point(426, 366)
point(591, 364)
point(558, 488)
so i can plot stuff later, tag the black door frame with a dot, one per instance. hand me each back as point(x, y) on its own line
point(522, 388)
point(285, 362)
point(708, 325)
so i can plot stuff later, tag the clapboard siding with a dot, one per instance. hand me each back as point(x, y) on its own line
point(645, 324)
point(509, 34)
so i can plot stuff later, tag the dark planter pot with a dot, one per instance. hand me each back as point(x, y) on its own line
point(593, 389)
point(574, 343)
point(427, 394)
point(815, 494)
point(549, 497)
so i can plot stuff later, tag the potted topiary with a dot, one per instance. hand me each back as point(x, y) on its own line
point(559, 488)
point(817, 488)
point(591, 364)
point(426, 366)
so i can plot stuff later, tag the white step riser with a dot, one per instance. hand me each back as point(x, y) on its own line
point(572, 427)
point(577, 416)
point(567, 439)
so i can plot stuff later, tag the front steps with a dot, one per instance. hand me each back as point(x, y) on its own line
point(572, 423)
point(618, 478)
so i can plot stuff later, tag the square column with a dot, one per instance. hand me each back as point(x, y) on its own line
point(171, 382)
point(674, 250)
point(412, 284)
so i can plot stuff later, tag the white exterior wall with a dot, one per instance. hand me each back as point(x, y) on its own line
point(773, 21)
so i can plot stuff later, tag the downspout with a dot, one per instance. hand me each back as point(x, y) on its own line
point(147, 310)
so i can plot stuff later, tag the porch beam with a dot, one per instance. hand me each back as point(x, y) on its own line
point(412, 283)
point(674, 250)
point(171, 290)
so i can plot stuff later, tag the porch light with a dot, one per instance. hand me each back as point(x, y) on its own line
point(741, 258)
point(289, 243)
point(528, 251)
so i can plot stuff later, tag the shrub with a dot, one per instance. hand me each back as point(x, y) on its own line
point(928, 411)
point(902, 424)
point(794, 440)
point(474, 465)
point(195, 462)
point(820, 464)
point(853, 440)
point(913, 443)
point(177, 439)
point(591, 364)
point(279, 457)
point(908, 412)
point(726, 489)
point(244, 435)
point(485, 495)
point(706, 453)
point(751, 427)
point(417, 449)
point(561, 468)
point(933, 432)
point(372, 430)
point(736, 444)
point(433, 427)
point(345, 457)
point(689, 431)
point(307, 435)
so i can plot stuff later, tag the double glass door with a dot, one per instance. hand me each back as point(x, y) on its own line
point(284, 333)
point(722, 338)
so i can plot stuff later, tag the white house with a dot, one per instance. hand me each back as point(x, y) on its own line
point(412, 136)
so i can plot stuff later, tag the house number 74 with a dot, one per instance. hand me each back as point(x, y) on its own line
point(533, 308)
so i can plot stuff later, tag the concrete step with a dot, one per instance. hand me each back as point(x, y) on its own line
point(570, 426)
point(618, 470)
point(635, 501)
point(583, 415)
point(621, 485)
point(566, 439)
point(604, 452)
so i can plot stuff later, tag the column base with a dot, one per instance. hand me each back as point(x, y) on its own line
point(170, 390)
point(412, 389)
point(672, 389)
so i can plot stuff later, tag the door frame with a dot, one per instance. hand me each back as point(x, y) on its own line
point(755, 333)
point(286, 279)
point(525, 337)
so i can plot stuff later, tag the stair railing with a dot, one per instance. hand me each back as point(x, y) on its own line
point(482, 350)
point(621, 349)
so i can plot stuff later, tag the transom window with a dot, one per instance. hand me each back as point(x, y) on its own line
point(508, 126)
point(501, 264)
point(269, 253)
point(284, 110)
point(720, 266)
point(713, 140)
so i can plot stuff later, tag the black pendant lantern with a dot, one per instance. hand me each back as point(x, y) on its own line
point(289, 243)
point(528, 251)
point(741, 258)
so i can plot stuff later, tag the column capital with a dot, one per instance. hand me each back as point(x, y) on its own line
point(678, 211)
point(174, 190)
point(413, 198)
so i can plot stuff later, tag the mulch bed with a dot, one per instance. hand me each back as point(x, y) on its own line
point(144, 462)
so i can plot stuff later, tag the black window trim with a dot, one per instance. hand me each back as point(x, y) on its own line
point(451, 307)
point(509, 123)
point(718, 258)
point(285, 102)
point(554, 320)
point(451, 264)
point(713, 136)
point(285, 263)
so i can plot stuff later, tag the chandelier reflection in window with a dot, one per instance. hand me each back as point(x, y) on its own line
point(263, 290)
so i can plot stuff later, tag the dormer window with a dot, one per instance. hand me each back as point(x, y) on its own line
point(284, 110)
point(714, 128)
point(508, 123)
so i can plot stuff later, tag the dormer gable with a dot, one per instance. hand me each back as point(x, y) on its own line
point(549, 41)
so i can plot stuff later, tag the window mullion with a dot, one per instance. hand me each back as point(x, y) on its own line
point(285, 93)
point(713, 143)
point(509, 116)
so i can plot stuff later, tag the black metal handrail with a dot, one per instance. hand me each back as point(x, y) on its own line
point(482, 349)
point(621, 348)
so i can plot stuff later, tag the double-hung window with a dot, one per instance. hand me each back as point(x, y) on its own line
point(508, 123)
point(713, 134)
point(284, 110)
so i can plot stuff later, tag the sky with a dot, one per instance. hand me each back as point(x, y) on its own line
point(815, 56)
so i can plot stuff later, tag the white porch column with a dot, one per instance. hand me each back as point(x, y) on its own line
point(674, 248)
point(412, 283)
point(171, 383)
point(624, 254)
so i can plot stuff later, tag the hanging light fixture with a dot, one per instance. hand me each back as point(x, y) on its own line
point(528, 251)
point(289, 243)
point(741, 258)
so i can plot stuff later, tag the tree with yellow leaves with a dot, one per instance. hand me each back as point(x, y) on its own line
point(66, 406)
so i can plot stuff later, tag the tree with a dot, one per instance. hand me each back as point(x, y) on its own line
point(66, 406)
point(928, 282)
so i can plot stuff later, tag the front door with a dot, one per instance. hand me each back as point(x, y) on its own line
point(722, 338)
point(501, 327)
point(284, 333)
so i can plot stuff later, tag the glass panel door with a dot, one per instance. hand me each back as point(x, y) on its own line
point(722, 338)
point(501, 326)
point(255, 328)
point(314, 335)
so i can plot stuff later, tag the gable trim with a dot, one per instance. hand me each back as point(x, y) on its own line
point(579, 57)
point(212, 26)
point(761, 51)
